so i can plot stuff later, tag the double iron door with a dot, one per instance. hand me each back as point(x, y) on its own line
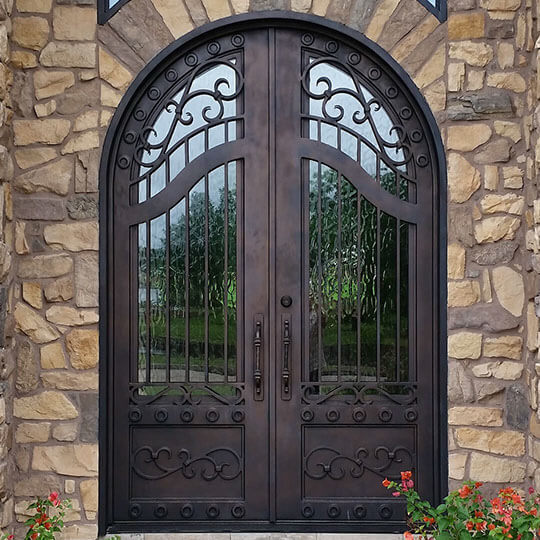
point(272, 290)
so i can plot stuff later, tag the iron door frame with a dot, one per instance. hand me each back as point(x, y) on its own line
point(277, 19)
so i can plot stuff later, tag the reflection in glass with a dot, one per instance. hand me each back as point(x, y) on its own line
point(358, 285)
point(191, 320)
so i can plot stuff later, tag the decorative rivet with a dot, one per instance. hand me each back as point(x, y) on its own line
point(411, 415)
point(160, 511)
point(385, 414)
point(360, 511)
point(308, 511)
point(237, 40)
point(374, 73)
point(332, 46)
point(135, 415)
point(191, 59)
point(238, 415)
point(186, 415)
point(154, 93)
point(212, 511)
point(385, 511)
point(307, 39)
point(171, 75)
point(130, 137)
point(307, 415)
point(332, 415)
point(212, 415)
point(135, 511)
point(416, 135)
point(359, 415)
point(354, 58)
point(123, 162)
point(161, 415)
point(334, 511)
point(405, 113)
point(139, 115)
point(238, 511)
point(213, 48)
point(422, 160)
point(391, 92)
point(186, 511)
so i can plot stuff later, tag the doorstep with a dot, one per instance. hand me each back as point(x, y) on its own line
point(261, 536)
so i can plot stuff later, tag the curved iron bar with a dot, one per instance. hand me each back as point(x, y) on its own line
point(358, 393)
point(211, 466)
point(186, 394)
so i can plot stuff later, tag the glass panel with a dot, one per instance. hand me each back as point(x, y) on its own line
point(142, 191)
point(216, 136)
point(177, 291)
point(142, 269)
point(231, 277)
point(158, 299)
point(158, 179)
point(196, 145)
point(177, 161)
point(329, 134)
point(388, 178)
point(197, 296)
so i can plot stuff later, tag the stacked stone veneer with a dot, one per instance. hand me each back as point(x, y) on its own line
point(477, 72)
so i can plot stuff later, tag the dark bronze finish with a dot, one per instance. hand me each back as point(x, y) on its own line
point(253, 412)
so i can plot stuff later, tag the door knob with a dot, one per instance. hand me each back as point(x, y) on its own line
point(286, 301)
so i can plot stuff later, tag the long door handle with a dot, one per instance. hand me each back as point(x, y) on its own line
point(258, 391)
point(286, 368)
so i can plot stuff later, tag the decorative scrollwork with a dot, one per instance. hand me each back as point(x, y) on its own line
point(222, 463)
point(185, 394)
point(219, 91)
point(326, 462)
point(363, 394)
point(360, 109)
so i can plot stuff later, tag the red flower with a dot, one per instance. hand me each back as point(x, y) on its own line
point(408, 536)
point(531, 490)
point(465, 491)
point(386, 482)
point(429, 520)
point(406, 475)
point(34, 536)
point(53, 497)
point(395, 494)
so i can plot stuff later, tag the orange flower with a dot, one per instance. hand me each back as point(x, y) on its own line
point(429, 520)
point(408, 536)
point(386, 482)
point(465, 491)
point(491, 526)
point(406, 475)
point(469, 525)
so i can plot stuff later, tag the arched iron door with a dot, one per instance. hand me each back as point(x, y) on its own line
point(271, 327)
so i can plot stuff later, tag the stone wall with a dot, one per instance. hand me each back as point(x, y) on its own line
point(476, 72)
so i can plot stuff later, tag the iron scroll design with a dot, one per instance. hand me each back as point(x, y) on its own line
point(359, 394)
point(212, 113)
point(325, 462)
point(363, 111)
point(187, 394)
point(223, 463)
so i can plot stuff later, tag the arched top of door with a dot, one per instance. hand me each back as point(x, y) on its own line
point(352, 90)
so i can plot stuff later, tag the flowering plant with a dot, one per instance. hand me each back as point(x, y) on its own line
point(466, 514)
point(42, 525)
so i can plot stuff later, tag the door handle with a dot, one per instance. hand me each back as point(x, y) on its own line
point(286, 369)
point(258, 393)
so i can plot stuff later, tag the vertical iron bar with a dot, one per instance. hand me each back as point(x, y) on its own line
point(378, 280)
point(167, 293)
point(206, 304)
point(186, 292)
point(226, 279)
point(148, 311)
point(319, 270)
point(358, 289)
point(339, 276)
point(398, 299)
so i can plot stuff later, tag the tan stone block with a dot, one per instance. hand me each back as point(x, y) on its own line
point(48, 405)
point(68, 380)
point(216, 9)
point(382, 14)
point(486, 287)
point(475, 79)
point(68, 316)
point(467, 137)
point(45, 109)
point(105, 118)
point(465, 345)
point(80, 532)
point(112, 71)
point(30, 32)
point(69, 486)
point(23, 60)
point(21, 245)
point(109, 96)
point(500, 5)
point(508, 81)
point(505, 370)
point(463, 293)
point(508, 285)
point(456, 76)
point(48, 131)
point(435, 95)
point(411, 40)
point(72, 236)
point(463, 178)
point(433, 69)
point(34, 6)
point(59, 290)
point(89, 495)
point(242, 6)
point(508, 203)
point(475, 416)
point(75, 55)
point(79, 143)
point(86, 280)
point(532, 327)
point(456, 261)
point(175, 16)
point(32, 433)
point(503, 442)
point(44, 266)
point(34, 325)
point(83, 348)
point(301, 6)
point(505, 55)
point(52, 83)
point(512, 130)
point(491, 177)
point(86, 120)
point(31, 292)
point(53, 178)
point(31, 157)
point(456, 466)
point(494, 229)
point(503, 346)
point(513, 177)
point(52, 356)
point(70, 460)
point(66, 431)
point(486, 468)
point(466, 25)
point(74, 23)
point(473, 53)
